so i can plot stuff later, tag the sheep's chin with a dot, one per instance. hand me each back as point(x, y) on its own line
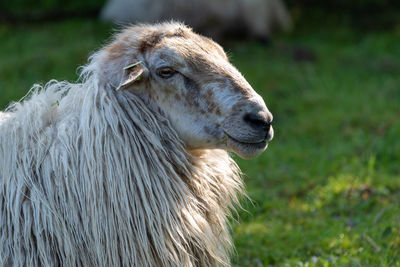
point(246, 150)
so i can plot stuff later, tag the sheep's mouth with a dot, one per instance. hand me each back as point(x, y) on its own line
point(257, 142)
point(246, 149)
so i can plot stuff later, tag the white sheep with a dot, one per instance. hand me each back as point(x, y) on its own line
point(129, 166)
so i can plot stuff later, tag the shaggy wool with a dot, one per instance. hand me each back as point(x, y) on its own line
point(91, 177)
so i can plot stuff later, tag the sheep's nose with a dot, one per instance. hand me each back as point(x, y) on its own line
point(258, 122)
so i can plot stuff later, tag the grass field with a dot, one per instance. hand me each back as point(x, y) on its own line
point(327, 190)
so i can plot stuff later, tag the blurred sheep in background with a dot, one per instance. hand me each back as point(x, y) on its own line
point(218, 19)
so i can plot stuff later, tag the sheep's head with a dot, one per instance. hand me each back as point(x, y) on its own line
point(190, 79)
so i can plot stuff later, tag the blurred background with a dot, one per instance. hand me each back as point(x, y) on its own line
point(327, 190)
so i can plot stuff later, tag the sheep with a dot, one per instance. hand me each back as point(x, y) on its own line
point(130, 165)
point(214, 18)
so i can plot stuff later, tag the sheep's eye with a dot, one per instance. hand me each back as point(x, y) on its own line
point(165, 72)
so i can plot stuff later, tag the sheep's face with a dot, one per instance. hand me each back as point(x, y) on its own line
point(209, 103)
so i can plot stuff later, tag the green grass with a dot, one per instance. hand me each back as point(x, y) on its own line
point(327, 190)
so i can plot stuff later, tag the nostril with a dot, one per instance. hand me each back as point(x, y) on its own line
point(257, 121)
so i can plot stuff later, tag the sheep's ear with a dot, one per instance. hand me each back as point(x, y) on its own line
point(136, 72)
